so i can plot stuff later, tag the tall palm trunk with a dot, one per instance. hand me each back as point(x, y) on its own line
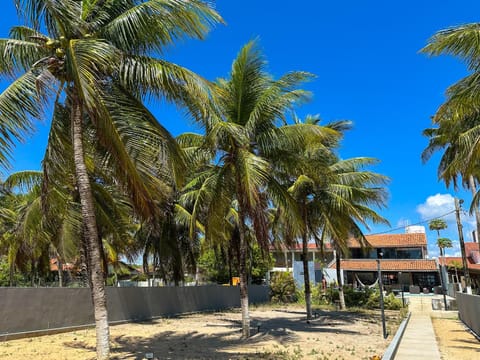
point(306, 274)
point(11, 275)
point(84, 268)
point(94, 258)
point(59, 268)
point(243, 277)
point(60, 272)
point(339, 279)
point(230, 273)
point(32, 271)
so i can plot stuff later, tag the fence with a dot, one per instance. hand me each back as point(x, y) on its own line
point(468, 310)
point(26, 311)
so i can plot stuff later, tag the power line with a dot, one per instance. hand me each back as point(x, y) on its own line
point(418, 223)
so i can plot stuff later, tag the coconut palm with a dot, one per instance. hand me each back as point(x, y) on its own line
point(457, 119)
point(244, 137)
point(25, 234)
point(346, 204)
point(309, 172)
point(95, 59)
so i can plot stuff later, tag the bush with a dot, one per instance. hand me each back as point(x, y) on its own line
point(356, 297)
point(324, 297)
point(390, 302)
point(282, 288)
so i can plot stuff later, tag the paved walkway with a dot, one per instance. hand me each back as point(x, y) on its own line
point(418, 341)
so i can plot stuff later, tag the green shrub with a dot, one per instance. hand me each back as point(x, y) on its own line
point(390, 302)
point(326, 296)
point(355, 297)
point(139, 277)
point(282, 288)
point(300, 295)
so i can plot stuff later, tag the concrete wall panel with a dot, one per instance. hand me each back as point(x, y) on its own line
point(30, 310)
point(468, 310)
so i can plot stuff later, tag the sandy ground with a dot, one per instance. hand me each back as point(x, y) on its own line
point(283, 334)
point(455, 341)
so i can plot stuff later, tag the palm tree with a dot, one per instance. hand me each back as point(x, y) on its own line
point(333, 196)
point(95, 58)
point(457, 119)
point(25, 234)
point(437, 225)
point(443, 243)
point(309, 172)
point(341, 197)
point(346, 205)
point(243, 138)
point(455, 265)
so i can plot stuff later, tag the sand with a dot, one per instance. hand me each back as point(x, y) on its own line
point(277, 333)
point(455, 341)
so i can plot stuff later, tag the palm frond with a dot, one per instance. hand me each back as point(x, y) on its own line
point(154, 24)
point(19, 105)
point(18, 55)
point(461, 41)
point(24, 180)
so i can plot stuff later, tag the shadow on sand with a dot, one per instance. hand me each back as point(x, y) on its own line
point(216, 345)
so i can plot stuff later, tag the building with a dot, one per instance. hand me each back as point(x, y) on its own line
point(455, 265)
point(404, 262)
point(290, 259)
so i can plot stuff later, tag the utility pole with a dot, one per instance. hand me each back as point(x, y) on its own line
point(382, 306)
point(462, 246)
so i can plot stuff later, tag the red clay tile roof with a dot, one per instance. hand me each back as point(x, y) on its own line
point(388, 265)
point(376, 241)
point(450, 259)
point(471, 246)
point(392, 240)
point(298, 247)
point(472, 250)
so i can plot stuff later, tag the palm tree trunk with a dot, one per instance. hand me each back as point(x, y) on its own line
point(94, 258)
point(84, 277)
point(60, 272)
point(230, 273)
point(243, 277)
point(59, 268)
point(306, 274)
point(340, 280)
point(32, 271)
point(11, 275)
point(104, 260)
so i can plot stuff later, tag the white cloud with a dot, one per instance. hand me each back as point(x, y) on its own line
point(437, 206)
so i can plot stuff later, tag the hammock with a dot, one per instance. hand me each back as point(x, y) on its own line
point(365, 286)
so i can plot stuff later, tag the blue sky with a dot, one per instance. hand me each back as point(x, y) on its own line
point(365, 56)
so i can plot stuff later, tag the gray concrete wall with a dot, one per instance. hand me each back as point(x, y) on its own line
point(30, 310)
point(468, 310)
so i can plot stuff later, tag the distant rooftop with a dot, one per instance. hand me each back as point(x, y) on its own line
point(392, 240)
point(375, 241)
point(387, 265)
